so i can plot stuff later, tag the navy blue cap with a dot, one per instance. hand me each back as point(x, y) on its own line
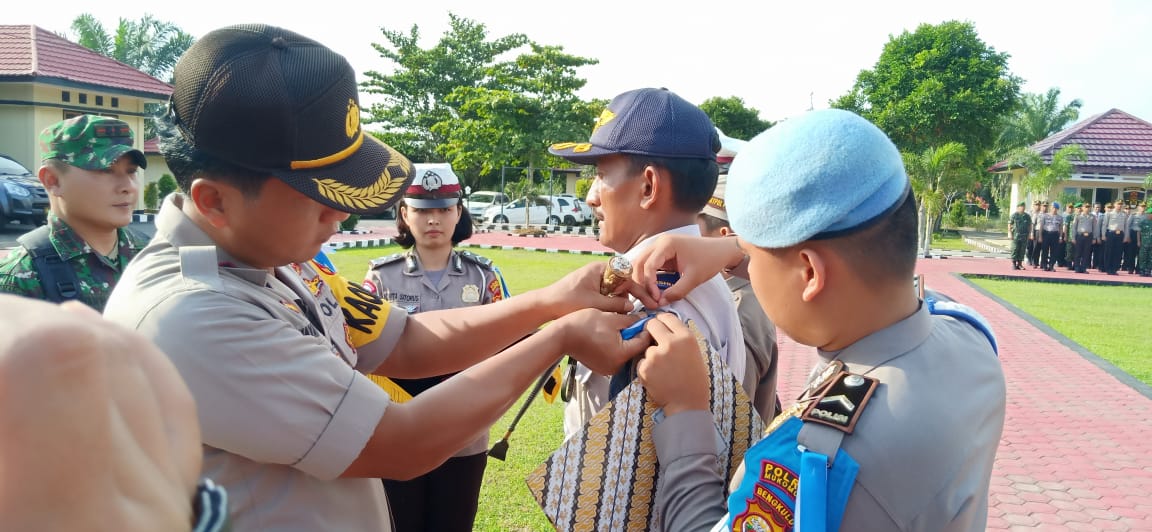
point(822, 174)
point(653, 122)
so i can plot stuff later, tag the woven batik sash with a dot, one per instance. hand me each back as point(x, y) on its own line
point(604, 477)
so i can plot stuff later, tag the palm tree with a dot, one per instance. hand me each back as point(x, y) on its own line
point(149, 45)
point(936, 175)
point(1037, 117)
point(1041, 176)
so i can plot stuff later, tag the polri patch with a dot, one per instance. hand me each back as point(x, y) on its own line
point(841, 403)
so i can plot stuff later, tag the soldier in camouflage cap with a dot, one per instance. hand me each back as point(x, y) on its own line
point(89, 170)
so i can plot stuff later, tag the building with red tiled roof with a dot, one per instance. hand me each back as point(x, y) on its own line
point(1119, 150)
point(45, 78)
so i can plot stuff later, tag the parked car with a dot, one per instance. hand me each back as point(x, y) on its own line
point(22, 197)
point(551, 210)
point(480, 200)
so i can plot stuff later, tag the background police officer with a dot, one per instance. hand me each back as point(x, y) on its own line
point(89, 170)
point(432, 275)
point(1084, 235)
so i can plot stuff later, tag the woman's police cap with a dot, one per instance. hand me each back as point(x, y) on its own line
point(822, 174)
point(273, 101)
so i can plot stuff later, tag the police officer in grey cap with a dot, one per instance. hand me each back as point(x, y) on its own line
point(760, 349)
point(899, 425)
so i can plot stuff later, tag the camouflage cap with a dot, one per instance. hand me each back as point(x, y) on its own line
point(89, 142)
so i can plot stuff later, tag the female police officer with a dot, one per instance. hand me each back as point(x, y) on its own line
point(432, 275)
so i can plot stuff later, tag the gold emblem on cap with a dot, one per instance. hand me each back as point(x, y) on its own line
point(373, 195)
point(604, 118)
point(352, 119)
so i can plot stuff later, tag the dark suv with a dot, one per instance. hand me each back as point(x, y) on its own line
point(22, 197)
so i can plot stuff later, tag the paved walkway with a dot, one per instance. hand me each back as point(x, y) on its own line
point(1077, 447)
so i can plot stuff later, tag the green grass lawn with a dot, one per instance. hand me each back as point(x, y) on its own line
point(505, 503)
point(1110, 321)
point(950, 241)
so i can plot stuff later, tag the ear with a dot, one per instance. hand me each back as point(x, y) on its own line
point(49, 179)
point(814, 273)
point(726, 231)
point(210, 198)
point(655, 186)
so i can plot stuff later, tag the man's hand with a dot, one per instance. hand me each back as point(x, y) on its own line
point(673, 369)
point(580, 289)
point(696, 259)
point(593, 338)
point(100, 432)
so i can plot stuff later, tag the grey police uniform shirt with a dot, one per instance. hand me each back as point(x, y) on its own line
point(467, 281)
point(1052, 223)
point(709, 305)
point(926, 441)
point(760, 349)
point(1085, 223)
point(1115, 221)
point(283, 406)
point(1036, 223)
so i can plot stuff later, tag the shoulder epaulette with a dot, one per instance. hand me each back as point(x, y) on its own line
point(483, 261)
point(385, 260)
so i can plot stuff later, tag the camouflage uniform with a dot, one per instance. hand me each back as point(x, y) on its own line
point(1021, 224)
point(97, 274)
point(1145, 259)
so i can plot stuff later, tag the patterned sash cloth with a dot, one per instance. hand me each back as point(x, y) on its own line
point(604, 477)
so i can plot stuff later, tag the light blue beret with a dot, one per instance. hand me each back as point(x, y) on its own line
point(819, 175)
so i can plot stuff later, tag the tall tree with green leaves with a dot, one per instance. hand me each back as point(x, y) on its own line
point(418, 91)
point(1036, 118)
point(149, 45)
point(734, 118)
point(535, 106)
point(938, 176)
point(938, 84)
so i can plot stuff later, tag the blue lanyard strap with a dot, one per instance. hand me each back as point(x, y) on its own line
point(812, 498)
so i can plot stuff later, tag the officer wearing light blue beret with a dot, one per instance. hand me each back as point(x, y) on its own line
point(899, 424)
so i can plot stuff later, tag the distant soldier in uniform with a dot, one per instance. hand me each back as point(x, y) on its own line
point(1097, 242)
point(761, 351)
point(1051, 236)
point(1145, 236)
point(1115, 228)
point(1020, 226)
point(899, 426)
point(1084, 235)
point(1034, 235)
point(89, 170)
point(1069, 247)
point(433, 275)
point(1132, 245)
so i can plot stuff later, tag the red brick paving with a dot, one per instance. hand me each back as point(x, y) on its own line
point(1076, 453)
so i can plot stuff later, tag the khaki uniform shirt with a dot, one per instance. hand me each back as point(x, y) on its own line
point(709, 305)
point(468, 281)
point(96, 273)
point(926, 441)
point(760, 349)
point(283, 406)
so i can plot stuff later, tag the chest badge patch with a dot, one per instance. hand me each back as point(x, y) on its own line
point(470, 294)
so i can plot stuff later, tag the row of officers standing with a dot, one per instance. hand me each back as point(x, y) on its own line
point(1110, 238)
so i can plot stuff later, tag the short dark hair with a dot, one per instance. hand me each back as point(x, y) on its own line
point(189, 163)
point(404, 238)
point(887, 249)
point(693, 180)
point(713, 223)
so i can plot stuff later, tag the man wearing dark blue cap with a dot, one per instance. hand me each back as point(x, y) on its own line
point(655, 158)
point(899, 425)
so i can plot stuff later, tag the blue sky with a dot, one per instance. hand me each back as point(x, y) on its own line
point(779, 57)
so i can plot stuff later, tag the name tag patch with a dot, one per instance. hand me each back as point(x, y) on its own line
point(841, 403)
